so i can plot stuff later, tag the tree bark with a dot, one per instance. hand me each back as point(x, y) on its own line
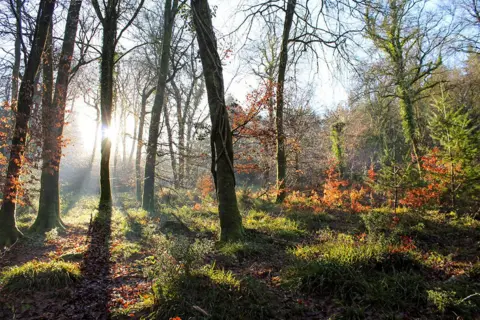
point(170, 147)
point(53, 112)
point(138, 156)
point(181, 117)
point(221, 135)
point(134, 142)
point(282, 68)
point(149, 182)
point(17, 55)
point(106, 101)
point(9, 232)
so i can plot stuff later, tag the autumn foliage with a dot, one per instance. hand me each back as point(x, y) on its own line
point(436, 181)
point(253, 128)
point(205, 185)
point(337, 193)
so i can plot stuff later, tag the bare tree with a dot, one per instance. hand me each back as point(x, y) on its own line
point(53, 118)
point(8, 230)
point(112, 11)
point(148, 203)
point(221, 135)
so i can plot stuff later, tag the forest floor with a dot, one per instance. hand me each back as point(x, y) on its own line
point(295, 263)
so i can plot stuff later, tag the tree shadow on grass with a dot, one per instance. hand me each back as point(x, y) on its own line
point(92, 295)
point(447, 239)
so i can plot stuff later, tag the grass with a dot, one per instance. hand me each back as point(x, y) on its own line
point(125, 250)
point(81, 212)
point(202, 220)
point(376, 264)
point(364, 275)
point(273, 225)
point(294, 263)
point(35, 275)
point(209, 293)
point(386, 270)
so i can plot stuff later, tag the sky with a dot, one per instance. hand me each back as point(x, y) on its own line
point(330, 86)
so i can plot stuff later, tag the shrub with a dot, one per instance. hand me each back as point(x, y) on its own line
point(52, 235)
point(474, 272)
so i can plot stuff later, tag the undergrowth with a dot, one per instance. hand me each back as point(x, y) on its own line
point(41, 276)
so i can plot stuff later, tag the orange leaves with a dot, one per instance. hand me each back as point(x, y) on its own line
point(436, 177)
point(431, 163)
point(333, 195)
point(176, 318)
point(372, 175)
point(205, 185)
point(246, 167)
point(406, 245)
point(337, 194)
point(422, 196)
point(355, 200)
point(253, 128)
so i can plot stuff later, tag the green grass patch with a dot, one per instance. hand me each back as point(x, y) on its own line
point(80, 212)
point(202, 220)
point(252, 247)
point(125, 250)
point(37, 275)
point(273, 225)
point(209, 293)
point(344, 249)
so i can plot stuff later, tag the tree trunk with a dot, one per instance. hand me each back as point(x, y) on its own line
point(149, 183)
point(138, 156)
point(282, 68)
point(132, 149)
point(116, 155)
point(408, 121)
point(106, 102)
point(221, 135)
point(9, 232)
point(17, 55)
point(181, 116)
point(170, 147)
point(53, 112)
point(123, 121)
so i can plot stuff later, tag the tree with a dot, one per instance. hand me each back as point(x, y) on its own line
point(112, 11)
point(148, 203)
point(411, 39)
point(146, 93)
point(9, 232)
point(53, 118)
point(220, 135)
point(337, 148)
point(452, 128)
point(310, 36)
point(282, 67)
point(186, 102)
point(18, 54)
point(469, 21)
